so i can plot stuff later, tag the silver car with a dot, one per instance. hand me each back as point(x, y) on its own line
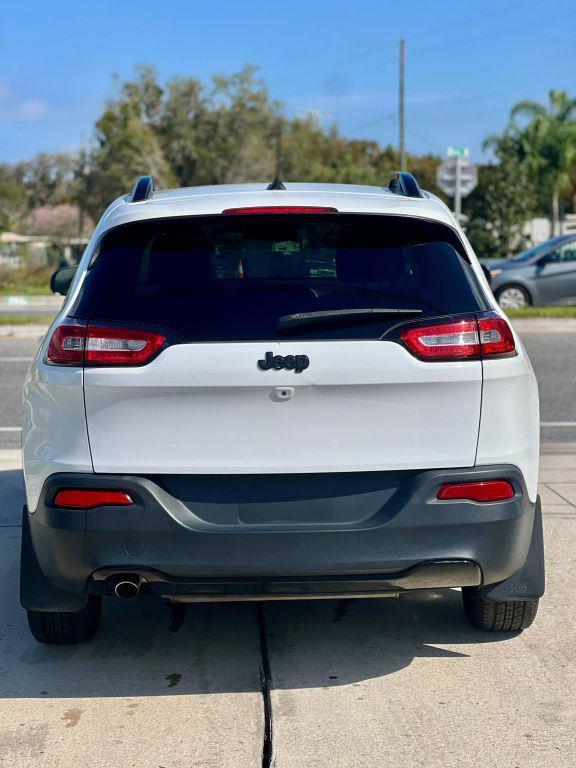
point(545, 274)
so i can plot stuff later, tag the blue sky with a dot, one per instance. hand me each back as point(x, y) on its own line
point(467, 62)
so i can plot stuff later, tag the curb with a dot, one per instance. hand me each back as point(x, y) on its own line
point(544, 325)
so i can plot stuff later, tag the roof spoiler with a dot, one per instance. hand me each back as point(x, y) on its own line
point(143, 189)
point(404, 183)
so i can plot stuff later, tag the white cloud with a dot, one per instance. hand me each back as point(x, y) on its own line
point(15, 109)
point(30, 110)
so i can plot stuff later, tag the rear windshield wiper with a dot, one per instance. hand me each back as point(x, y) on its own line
point(341, 315)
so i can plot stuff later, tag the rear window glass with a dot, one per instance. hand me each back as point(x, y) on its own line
point(232, 277)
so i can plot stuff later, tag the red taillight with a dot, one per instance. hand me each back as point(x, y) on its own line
point(489, 336)
point(481, 490)
point(495, 336)
point(88, 499)
point(281, 209)
point(120, 346)
point(75, 343)
point(446, 341)
point(67, 343)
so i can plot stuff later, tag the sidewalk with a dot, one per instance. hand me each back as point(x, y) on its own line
point(557, 485)
point(17, 301)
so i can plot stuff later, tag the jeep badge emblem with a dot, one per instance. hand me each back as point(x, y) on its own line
point(296, 363)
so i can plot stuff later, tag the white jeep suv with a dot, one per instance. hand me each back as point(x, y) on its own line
point(266, 392)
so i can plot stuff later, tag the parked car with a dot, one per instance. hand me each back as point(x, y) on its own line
point(545, 274)
point(292, 391)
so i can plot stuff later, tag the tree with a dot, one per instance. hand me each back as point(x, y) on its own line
point(62, 220)
point(236, 130)
point(501, 203)
point(13, 200)
point(188, 133)
point(48, 179)
point(546, 145)
point(126, 148)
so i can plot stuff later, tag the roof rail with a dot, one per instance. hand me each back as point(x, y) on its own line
point(404, 183)
point(142, 189)
point(277, 184)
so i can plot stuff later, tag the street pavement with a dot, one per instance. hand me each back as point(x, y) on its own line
point(30, 305)
point(401, 682)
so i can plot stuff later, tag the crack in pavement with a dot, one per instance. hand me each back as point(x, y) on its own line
point(266, 685)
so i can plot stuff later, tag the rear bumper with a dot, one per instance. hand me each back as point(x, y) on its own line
point(355, 534)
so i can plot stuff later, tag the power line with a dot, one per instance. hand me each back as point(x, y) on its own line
point(435, 39)
point(432, 34)
point(503, 31)
point(391, 119)
point(427, 141)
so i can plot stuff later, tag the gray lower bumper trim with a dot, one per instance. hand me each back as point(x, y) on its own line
point(427, 575)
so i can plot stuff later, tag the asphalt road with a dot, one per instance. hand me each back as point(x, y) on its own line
point(30, 305)
point(553, 356)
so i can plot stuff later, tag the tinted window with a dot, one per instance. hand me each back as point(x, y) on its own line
point(230, 278)
point(568, 252)
point(538, 250)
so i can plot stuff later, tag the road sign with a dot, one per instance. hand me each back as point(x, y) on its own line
point(448, 171)
point(457, 177)
point(458, 151)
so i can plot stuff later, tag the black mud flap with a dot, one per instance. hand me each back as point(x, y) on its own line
point(36, 592)
point(529, 582)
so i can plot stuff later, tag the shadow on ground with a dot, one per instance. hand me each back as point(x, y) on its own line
point(11, 497)
point(147, 648)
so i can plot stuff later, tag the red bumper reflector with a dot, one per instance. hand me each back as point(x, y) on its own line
point(280, 209)
point(87, 499)
point(482, 490)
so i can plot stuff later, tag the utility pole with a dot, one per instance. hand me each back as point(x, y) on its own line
point(401, 107)
point(279, 150)
point(458, 190)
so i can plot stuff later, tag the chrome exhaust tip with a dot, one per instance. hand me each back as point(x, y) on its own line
point(127, 589)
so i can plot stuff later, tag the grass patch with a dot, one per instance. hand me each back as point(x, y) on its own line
point(20, 289)
point(26, 319)
point(18, 282)
point(550, 312)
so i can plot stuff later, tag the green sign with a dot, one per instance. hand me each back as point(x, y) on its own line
point(458, 151)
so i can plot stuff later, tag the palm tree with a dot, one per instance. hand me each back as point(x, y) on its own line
point(546, 141)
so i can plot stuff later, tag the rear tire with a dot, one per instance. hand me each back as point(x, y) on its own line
point(513, 297)
point(498, 615)
point(66, 628)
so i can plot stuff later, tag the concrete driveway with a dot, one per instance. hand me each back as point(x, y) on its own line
point(403, 682)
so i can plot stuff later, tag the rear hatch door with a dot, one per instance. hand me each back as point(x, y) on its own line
point(282, 352)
